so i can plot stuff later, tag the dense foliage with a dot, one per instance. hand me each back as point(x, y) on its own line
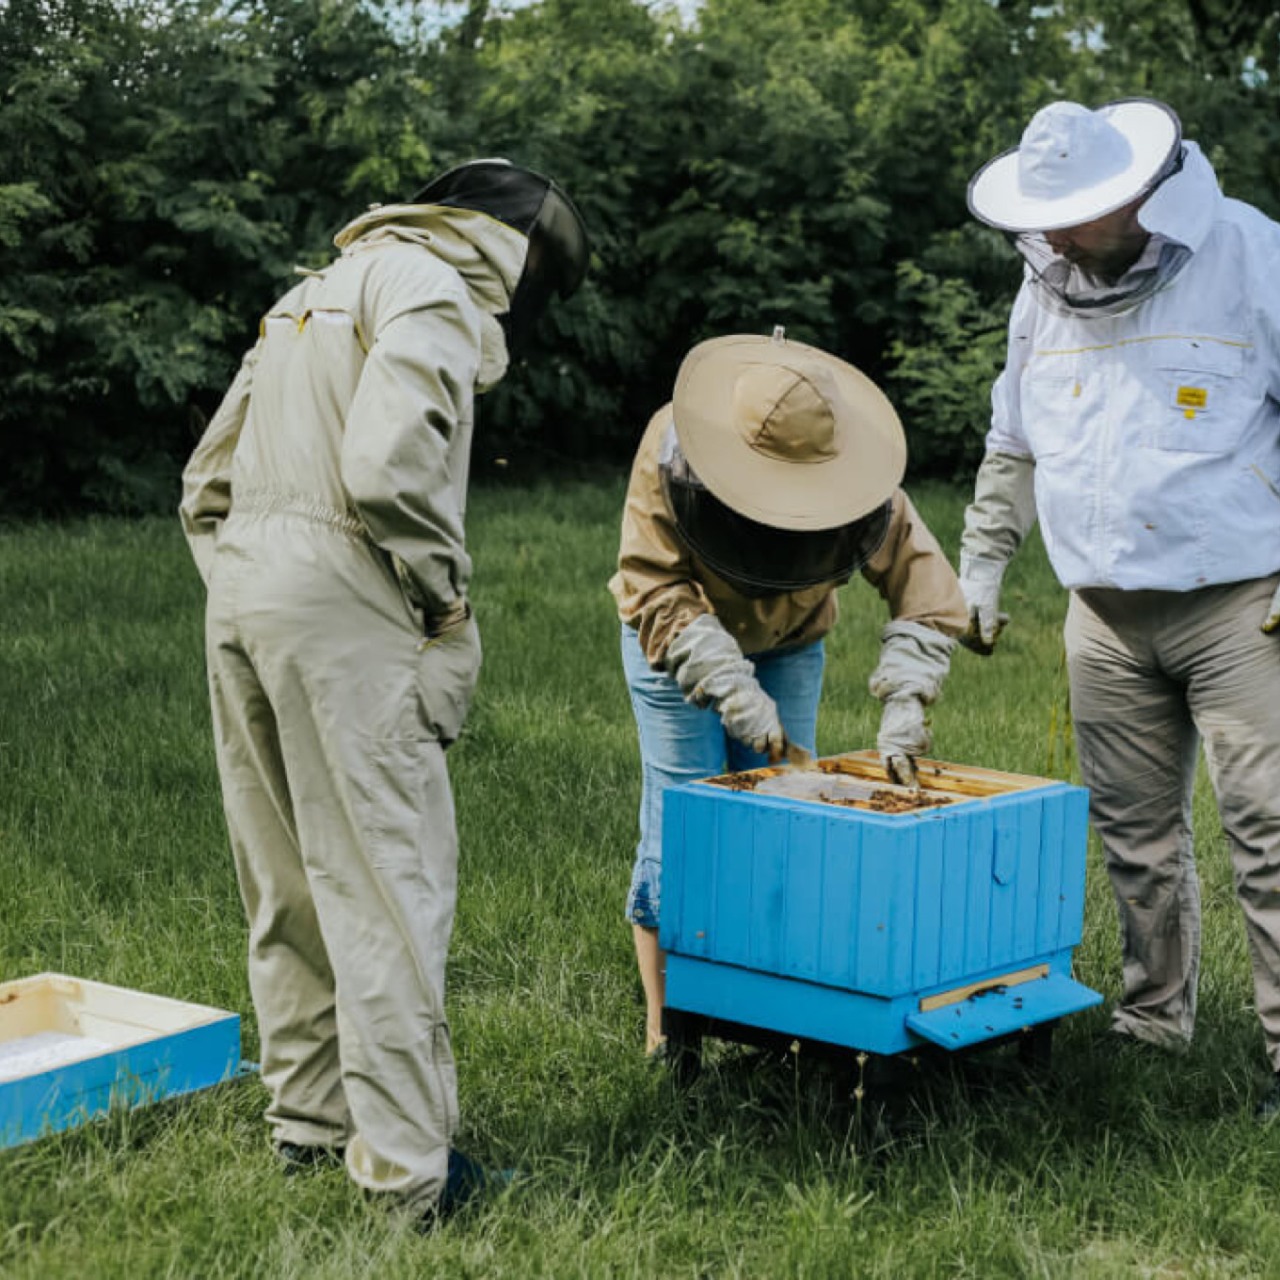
point(741, 163)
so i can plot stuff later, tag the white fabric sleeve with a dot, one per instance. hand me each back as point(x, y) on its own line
point(1266, 304)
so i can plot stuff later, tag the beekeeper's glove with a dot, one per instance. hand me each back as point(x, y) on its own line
point(1273, 614)
point(707, 664)
point(914, 661)
point(995, 523)
point(904, 736)
point(980, 582)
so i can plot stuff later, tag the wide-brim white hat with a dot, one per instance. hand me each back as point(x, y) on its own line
point(1074, 165)
point(787, 434)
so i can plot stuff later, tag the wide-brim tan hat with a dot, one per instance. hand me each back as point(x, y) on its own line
point(1074, 165)
point(785, 433)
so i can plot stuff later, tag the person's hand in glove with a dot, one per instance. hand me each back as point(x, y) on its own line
point(707, 664)
point(1273, 614)
point(903, 737)
point(749, 715)
point(980, 582)
point(914, 661)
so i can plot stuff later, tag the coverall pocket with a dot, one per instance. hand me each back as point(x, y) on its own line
point(448, 668)
point(1197, 386)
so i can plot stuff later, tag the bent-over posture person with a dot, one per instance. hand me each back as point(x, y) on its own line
point(1138, 415)
point(324, 507)
point(771, 477)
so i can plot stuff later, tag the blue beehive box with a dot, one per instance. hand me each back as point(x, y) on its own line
point(827, 903)
point(71, 1049)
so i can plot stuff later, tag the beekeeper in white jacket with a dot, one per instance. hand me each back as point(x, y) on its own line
point(324, 506)
point(1138, 415)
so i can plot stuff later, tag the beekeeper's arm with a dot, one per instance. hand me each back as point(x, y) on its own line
point(707, 664)
point(403, 462)
point(206, 479)
point(658, 594)
point(1268, 306)
point(1004, 505)
point(927, 609)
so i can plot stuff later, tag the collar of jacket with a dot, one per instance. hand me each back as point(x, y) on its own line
point(486, 253)
point(1185, 206)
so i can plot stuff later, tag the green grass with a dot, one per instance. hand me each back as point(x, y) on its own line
point(113, 866)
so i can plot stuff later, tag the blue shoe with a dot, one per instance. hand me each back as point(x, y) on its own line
point(464, 1184)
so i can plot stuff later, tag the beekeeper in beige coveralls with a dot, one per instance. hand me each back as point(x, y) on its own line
point(769, 480)
point(324, 508)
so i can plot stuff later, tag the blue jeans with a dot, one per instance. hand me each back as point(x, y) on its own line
point(682, 743)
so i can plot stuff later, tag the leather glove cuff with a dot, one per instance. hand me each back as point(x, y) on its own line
point(982, 569)
point(914, 661)
point(706, 662)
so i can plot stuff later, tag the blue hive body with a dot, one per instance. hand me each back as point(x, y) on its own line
point(875, 931)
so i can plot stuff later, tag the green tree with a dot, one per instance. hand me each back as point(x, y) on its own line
point(164, 163)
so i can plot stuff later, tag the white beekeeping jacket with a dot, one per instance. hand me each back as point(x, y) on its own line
point(1156, 432)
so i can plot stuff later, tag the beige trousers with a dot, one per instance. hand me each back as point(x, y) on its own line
point(1153, 674)
point(341, 820)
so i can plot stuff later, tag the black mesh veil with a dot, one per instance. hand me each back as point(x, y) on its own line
point(759, 559)
point(537, 208)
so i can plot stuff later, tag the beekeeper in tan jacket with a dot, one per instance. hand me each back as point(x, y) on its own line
point(768, 481)
point(324, 507)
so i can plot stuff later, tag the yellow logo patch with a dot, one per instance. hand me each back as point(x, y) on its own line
point(1192, 397)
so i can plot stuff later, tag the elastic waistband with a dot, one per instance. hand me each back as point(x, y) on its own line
point(271, 502)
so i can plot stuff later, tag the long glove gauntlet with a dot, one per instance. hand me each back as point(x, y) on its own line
point(980, 582)
point(707, 664)
point(995, 523)
point(914, 661)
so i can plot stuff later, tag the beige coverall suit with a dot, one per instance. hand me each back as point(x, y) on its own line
point(324, 507)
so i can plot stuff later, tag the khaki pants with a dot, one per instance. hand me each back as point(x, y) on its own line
point(1154, 673)
point(342, 825)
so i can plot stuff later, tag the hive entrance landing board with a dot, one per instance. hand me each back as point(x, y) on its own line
point(1002, 1010)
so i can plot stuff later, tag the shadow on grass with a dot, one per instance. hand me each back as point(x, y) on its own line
point(1099, 1100)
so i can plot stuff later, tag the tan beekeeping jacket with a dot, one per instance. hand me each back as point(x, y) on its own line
point(356, 404)
point(660, 586)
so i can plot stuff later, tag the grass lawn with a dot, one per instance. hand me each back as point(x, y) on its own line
point(114, 866)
